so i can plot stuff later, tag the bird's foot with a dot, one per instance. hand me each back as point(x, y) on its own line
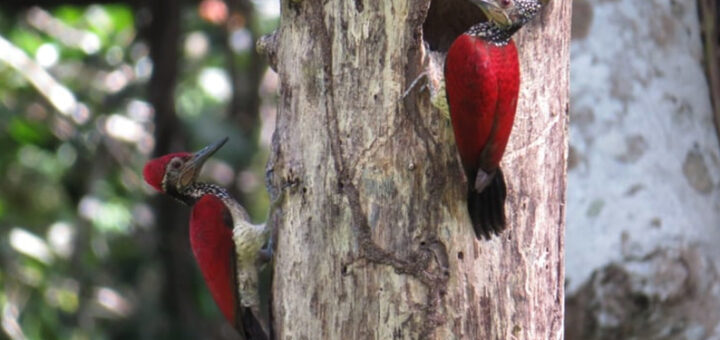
point(265, 255)
point(276, 203)
point(414, 84)
point(482, 179)
point(437, 91)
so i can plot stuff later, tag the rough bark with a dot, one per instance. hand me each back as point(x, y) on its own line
point(374, 240)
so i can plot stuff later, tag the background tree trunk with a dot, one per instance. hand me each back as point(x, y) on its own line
point(644, 200)
point(374, 240)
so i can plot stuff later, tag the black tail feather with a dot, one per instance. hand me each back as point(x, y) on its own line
point(487, 208)
point(252, 328)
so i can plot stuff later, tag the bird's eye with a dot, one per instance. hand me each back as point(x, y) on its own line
point(175, 164)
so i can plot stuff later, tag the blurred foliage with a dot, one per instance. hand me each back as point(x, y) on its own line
point(77, 238)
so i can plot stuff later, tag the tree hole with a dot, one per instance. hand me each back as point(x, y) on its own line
point(447, 19)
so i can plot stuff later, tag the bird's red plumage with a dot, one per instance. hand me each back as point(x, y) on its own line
point(212, 244)
point(482, 83)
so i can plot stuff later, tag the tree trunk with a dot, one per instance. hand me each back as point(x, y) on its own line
point(644, 201)
point(374, 239)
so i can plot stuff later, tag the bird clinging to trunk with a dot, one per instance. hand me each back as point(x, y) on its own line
point(482, 79)
point(227, 247)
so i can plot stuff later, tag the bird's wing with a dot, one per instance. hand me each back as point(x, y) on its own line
point(472, 91)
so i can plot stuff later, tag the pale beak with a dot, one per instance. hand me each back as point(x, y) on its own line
point(192, 167)
point(493, 11)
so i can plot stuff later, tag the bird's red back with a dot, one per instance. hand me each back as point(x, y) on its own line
point(482, 83)
point(212, 245)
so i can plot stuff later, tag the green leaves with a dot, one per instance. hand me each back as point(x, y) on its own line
point(71, 181)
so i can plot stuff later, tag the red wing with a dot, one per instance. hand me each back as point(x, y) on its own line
point(212, 244)
point(472, 91)
point(508, 78)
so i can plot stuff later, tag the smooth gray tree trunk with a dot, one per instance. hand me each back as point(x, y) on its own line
point(643, 260)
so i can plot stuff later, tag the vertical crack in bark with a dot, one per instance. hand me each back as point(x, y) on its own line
point(417, 264)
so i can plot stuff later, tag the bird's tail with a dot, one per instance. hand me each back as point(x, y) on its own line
point(252, 326)
point(487, 208)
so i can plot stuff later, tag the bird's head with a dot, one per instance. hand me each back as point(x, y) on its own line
point(172, 174)
point(510, 13)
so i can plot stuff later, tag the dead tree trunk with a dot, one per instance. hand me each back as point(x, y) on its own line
point(374, 241)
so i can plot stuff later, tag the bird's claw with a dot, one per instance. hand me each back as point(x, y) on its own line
point(437, 93)
point(265, 255)
point(415, 84)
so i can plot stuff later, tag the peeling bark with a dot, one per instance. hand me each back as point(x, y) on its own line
point(374, 240)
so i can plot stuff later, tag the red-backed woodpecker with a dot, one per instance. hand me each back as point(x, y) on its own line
point(482, 80)
point(227, 247)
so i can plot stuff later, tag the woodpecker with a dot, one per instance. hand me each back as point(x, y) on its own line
point(482, 80)
point(227, 247)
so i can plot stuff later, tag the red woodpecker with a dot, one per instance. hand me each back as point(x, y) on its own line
point(227, 247)
point(482, 79)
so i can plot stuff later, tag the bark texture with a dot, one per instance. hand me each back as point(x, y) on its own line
point(374, 241)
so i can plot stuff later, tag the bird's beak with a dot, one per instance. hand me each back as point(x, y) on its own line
point(192, 167)
point(493, 11)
